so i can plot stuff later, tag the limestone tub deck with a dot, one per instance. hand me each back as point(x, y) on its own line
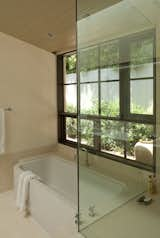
point(130, 221)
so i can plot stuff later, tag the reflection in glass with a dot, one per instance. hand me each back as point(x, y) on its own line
point(89, 98)
point(141, 57)
point(109, 59)
point(109, 54)
point(89, 76)
point(111, 73)
point(141, 96)
point(88, 59)
point(110, 99)
point(70, 98)
point(142, 51)
point(142, 71)
point(87, 132)
point(112, 137)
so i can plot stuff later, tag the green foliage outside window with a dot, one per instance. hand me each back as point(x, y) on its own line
point(70, 62)
point(113, 133)
point(71, 127)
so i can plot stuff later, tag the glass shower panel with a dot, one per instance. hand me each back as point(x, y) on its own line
point(87, 137)
point(112, 137)
point(70, 92)
point(89, 98)
point(110, 99)
point(142, 101)
point(116, 52)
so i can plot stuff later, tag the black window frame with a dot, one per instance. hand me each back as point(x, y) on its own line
point(125, 115)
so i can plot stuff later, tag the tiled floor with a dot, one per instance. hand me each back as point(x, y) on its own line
point(13, 224)
point(129, 221)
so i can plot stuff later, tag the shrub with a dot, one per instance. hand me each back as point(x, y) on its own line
point(71, 127)
point(115, 135)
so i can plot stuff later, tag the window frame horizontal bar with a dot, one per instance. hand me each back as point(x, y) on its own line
point(135, 118)
point(66, 84)
point(136, 79)
point(115, 158)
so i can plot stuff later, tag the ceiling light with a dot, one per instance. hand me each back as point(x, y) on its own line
point(50, 35)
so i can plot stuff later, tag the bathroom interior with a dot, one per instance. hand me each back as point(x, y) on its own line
point(79, 118)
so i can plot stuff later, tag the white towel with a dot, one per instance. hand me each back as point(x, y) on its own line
point(2, 131)
point(20, 187)
point(23, 190)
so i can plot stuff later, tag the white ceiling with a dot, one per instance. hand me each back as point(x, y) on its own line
point(32, 20)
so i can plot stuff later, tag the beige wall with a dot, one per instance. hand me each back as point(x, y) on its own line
point(28, 86)
point(158, 98)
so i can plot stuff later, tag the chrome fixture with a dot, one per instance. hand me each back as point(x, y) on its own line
point(78, 219)
point(91, 211)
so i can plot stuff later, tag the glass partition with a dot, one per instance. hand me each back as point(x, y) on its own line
point(116, 51)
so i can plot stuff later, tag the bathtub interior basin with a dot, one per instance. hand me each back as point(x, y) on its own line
point(104, 193)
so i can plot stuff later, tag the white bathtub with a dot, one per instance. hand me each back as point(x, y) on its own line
point(53, 202)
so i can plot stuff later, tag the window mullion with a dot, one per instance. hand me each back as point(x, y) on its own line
point(97, 124)
point(124, 80)
point(97, 136)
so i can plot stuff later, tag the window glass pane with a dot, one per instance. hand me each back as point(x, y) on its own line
point(111, 73)
point(109, 59)
point(110, 99)
point(70, 98)
point(88, 62)
point(89, 98)
point(141, 96)
point(71, 129)
point(139, 144)
point(70, 78)
point(89, 76)
point(70, 69)
point(141, 53)
point(87, 132)
point(112, 137)
point(109, 54)
point(142, 71)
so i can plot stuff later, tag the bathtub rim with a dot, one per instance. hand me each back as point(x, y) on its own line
point(38, 157)
point(58, 157)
